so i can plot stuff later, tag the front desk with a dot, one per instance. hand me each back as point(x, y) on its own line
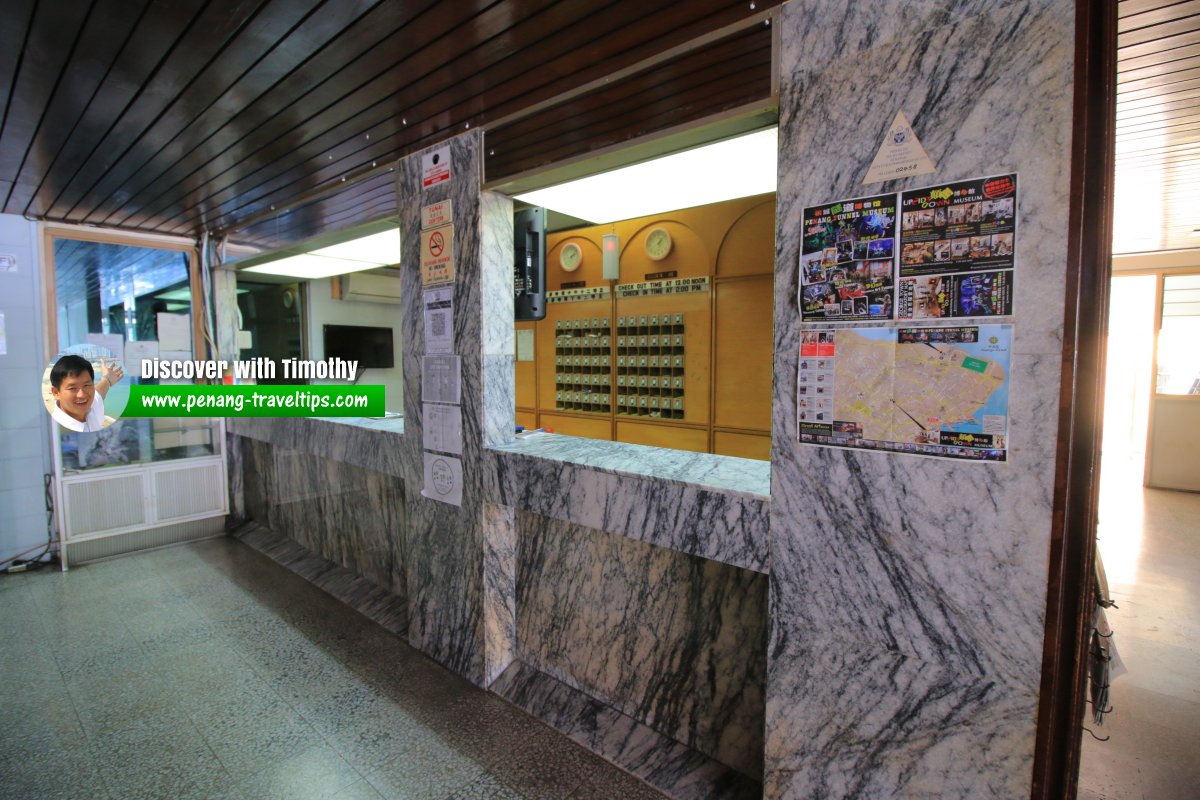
point(639, 591)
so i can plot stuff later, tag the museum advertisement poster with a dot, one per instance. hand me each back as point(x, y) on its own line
point(957, 245)
point(847, 261)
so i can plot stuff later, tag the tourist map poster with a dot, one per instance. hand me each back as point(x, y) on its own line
point(847, 260)
point(957, 245)
point(926, 391)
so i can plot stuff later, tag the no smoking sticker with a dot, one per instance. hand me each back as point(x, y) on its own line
point(437, 256)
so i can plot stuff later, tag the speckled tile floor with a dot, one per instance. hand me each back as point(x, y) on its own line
point(209, 671)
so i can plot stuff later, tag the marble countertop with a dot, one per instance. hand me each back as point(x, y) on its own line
point(727, 474)
point(387, 424)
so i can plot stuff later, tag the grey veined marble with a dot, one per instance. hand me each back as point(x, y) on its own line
point(907, 594)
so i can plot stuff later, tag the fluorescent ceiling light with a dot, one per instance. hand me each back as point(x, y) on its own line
point(725, 170)
point(381, 249)
point(310, 267)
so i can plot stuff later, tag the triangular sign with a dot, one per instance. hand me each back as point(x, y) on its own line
point(901, 154)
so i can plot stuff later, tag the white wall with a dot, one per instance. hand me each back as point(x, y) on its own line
point(24, 430)
point(323, 310)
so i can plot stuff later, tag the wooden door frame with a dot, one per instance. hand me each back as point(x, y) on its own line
point(1070, 598)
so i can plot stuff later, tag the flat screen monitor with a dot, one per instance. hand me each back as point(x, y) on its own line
point(370, 347)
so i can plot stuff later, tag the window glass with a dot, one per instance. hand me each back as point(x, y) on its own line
point(1178, 353)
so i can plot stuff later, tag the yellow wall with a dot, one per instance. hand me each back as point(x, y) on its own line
point(727, 329)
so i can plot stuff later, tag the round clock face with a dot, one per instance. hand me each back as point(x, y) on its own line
point(570, 257)
point(658, 244)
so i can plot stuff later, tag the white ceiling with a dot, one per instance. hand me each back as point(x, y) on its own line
point(1157, 201)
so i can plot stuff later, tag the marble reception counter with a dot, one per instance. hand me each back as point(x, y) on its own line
point(633, 595)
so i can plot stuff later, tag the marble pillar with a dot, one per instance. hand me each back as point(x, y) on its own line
point(459, 560)
point(908, 593)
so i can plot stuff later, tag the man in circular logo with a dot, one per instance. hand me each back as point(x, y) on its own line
point(78, 398)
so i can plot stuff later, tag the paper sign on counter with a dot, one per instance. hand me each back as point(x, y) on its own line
point(441, 428)
point(441, 379)
point(3, 337)
point(439, 319)
point(443, 479)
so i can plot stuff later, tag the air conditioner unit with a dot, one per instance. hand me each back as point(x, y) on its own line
point(371, 288)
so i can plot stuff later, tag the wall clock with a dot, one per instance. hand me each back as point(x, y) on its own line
point(570, 257)
point(658, 244)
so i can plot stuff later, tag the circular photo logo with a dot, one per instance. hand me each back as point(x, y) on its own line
point(83, 388)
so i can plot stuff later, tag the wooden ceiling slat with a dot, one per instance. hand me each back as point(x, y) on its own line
point(511, 77)
point(18, 17)
point(205, 38)
point(105, 33)
point(1156, 82)
point(36, 79)
point(446, 100)
point(608, 102)
point(1156, 92)
point(1168, 106)
point(1126, 8)
point(215, 141)
point(1157, 57)
point(1179, 27)
point(659, 99)
point(1156, 142)
point(246, 48)
point(1159, 46)
point(371, 80)
point(1159, 70)
point(1146, 19)
point(696, 103)
point(1156, 127)
point(181, 115)
point(220, 92)
point(150, 43)
point(1153, 101)
point(1158, 122)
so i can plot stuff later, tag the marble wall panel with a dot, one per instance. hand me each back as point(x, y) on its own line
point(453, 551)
point(908, 593)
point(674, 641)
point(341, 513)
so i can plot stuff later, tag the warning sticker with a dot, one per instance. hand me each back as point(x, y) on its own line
point(437, 256)
point(435, 167)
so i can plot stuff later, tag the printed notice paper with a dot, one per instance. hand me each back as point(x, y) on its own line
point(525, 344)
point(443, 479)
point(175, 331)
point(437, 214)
point(439, 320)
point(441, 379)
point(3, 337)
point(441, 428)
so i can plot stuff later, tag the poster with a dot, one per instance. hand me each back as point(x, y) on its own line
point(847, 260)
point(926, 391)
point(3, 337)
point(950, 229)
point(439, 319)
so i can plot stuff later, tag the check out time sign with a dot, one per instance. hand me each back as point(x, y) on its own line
point(437, 256)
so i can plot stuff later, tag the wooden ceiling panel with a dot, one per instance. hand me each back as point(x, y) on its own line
point(1158, 125)
point(195, 115)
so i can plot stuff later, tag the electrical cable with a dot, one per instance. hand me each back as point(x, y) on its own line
point(16, 563)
